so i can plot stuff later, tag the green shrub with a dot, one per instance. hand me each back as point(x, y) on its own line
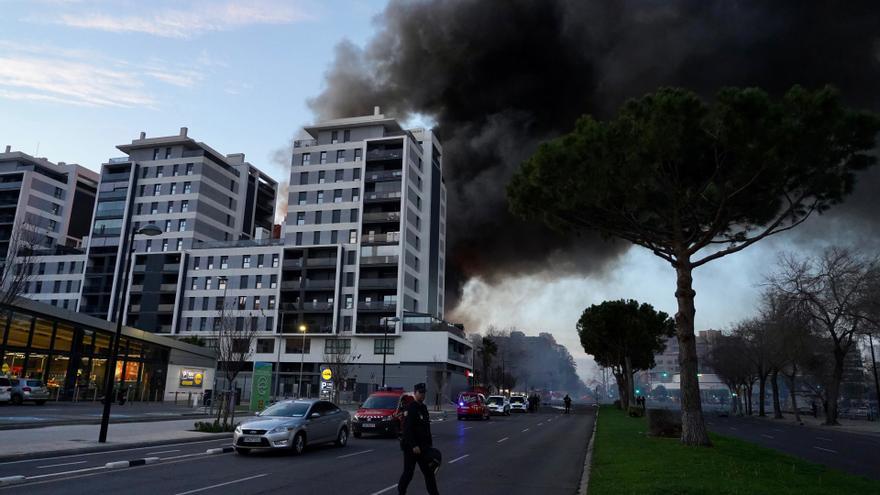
point(664, 423)
point(213, 427)
point(636, 411)
point(617, 404)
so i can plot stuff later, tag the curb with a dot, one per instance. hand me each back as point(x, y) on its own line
point(110, 447)
point(588, 460)
point(11, 480)
point(131, 463)
point(220, 450)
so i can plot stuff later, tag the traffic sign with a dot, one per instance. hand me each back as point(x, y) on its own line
point(5, 368)
point(327, 375)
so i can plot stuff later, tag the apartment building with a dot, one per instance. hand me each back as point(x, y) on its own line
point(46, 207)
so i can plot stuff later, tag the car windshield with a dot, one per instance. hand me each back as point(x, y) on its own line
point(287, 409)
point(495, 400)
point(34, 383)
point(518, 400)
point(380, 402)
point(468, 399)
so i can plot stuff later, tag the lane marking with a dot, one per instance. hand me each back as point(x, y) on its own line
point(732, 428)
point(87, 454)
point(197, 490)
point(767, 436)
point(392, 487)
point(503, 439)
point(458, 458)
point(525, 430)
point(467, 427)
point(539, 424)
point(826, 450)
point(62, 464)
point(163, 452)
point(356, 453)
point(777, 430)
point(824, 439)
point(83, 470)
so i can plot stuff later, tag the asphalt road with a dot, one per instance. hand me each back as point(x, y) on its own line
point(856, 453)
point(521, 454)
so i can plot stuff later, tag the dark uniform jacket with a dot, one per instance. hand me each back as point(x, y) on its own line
point(416, 427)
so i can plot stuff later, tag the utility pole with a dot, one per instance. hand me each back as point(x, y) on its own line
point(874, 366)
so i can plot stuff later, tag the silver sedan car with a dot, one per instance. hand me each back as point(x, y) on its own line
point(293, 424)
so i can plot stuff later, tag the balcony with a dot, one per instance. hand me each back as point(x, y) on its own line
point(305, 143)
point(386, 238)
point(383, 175)
point(119, 159)
point(116, 213)
point(379, 260)
point(382, 196)
point(298, 263)
point(308, 284)
point(374, 329)
point(376, 155)
point(378, 283)
point(318, 262)
point(389, 216)
point(118, 194)
point(117, 177)
point(171, 267)
point(168, 288)
point(460, 357)
point(377, 306)
point(165, 308)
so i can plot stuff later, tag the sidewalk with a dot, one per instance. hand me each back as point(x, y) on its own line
point(848, 425)
point(83, 413)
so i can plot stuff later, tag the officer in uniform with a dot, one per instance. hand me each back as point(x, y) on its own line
point(416, 440)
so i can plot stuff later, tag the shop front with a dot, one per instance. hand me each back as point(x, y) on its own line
point(70, 352)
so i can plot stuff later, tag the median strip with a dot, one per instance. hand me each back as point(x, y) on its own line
point(131, 463)
point(11, 480)
point(221, 450)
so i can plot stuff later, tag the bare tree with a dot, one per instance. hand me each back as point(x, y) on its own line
point(833, 290)
point(441, 377)
point(754, 333)
point(728, 360)
point(341, 365)
point(233, 342)
point(17, 263)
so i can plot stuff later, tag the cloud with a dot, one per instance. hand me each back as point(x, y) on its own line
point(201, 18)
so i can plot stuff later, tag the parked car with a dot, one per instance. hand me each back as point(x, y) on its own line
point(519, 403)
point(498, 404)
point(29, 390)
point(472, 405)
point(293, 425)
point(381, 413)
point(5, 390)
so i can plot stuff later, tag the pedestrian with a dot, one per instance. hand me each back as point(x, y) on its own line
point(415, 442)
point(567, 401)
point(814, 408)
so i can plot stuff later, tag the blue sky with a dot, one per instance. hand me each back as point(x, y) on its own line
point(79, 77)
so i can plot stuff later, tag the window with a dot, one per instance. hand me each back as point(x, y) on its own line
point(316, 237)
point(149, 247)
point(72, 267)
point(340, 157)
point(306, 159)
point(56, 287)
point(419, 183)
point(321, 177)
point(191, 303)
point(246, 261)
point(60, 267)
point(353, 215)
point(334, 137)
point(180, 244)
point(181, 225)
point(303, 178)
point(210, 265)
point(273, 282)
point(323, 157)
point(52, 225)
point(173, 188)
point(274, 261)
point(357, 155)
point(340, 175)
point(143, 190)
point(144, 173)
point(318, 217)
point(69, 286)
point(320, 197)
point(351, 258)
point(349, 279)
point(265, 346)
point(164, 245)
point(218, 303)
point(167, 153)
point(356, 174)
point(355, 194)
point(175, 170)
point(336, 216)
point(187, 187)
point(204, 304)
point(383, 346)
point(271, 304)
point(202, 322)
point(160, 172)
point(258, 302)
point(155, 153)
point(299, 239)
point(349, 301)
point(337, 346)
point(167, 225)
point(258, 282)
point(154, 208)
point(189, 169)
point(224, 262)
point(337, 196)
point(228, 220)
point(346, 136)
point(334, 236)
point(157, 189)
point(259, 261)
point(138, 209)
point(302, 198)
point(300, 218)
point(208, 283)
point(352, 236)
point(242, 302)
point(418, 202)
point(269, 322)
point(189, 324)
point(56, 209)
point(297, 345)
point(184, 206)
point(170, 208)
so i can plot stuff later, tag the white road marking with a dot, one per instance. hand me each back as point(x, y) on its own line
point(777, 429)
point(68, 456)
point(164, 452)
point(458, 459)
point(356, 453)
point(539, 424)
point(503, 439)
point(826, 450)
point(467, 427)
point(63, 464)
point(732, 428)
point(392, 487)
point(824, 439)
point(767, 436)
point(224, 484)
point(60, 473)
point(525, 430)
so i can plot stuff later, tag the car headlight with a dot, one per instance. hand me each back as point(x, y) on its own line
point(238, 429)
point(278, 429)
point(356, 417)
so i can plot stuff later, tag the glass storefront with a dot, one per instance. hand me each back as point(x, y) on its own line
point(72, 360)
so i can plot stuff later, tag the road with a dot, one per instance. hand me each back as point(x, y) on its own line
point(856, 453)
point(521, 454)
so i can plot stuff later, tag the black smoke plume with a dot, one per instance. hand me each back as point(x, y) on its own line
point(500, 76)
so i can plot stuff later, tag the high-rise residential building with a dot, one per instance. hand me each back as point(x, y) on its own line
point(45, 207)
point(195, 194)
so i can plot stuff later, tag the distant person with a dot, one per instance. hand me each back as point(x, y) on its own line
point(415, 442)
point(567, 401)
point(814, 409)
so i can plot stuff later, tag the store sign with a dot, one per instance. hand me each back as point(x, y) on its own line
point(261, 390)
point(192, 377)
point(326, 374)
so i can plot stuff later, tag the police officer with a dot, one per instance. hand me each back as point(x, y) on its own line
point(415, 441)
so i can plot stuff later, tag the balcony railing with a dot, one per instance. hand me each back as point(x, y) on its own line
point(308, 284)
point(297, 263)
point(379, 260)
point(386, 238)
point(314, 262)
point(378, 283)
point(384, 155)
point(119, 194)
point(377, 305)
point(383, 175)
point(239, 243)
point(389, 216)
point(374, 329)
point(117, 177)
point(305, 143)
point(460, 357)
point(119, 159)
point(379, 196)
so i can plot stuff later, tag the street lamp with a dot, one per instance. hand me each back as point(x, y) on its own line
point(109, 379)
point(385, 347)
point(302, 357)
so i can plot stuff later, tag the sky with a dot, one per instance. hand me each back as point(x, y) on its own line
point(79, 77)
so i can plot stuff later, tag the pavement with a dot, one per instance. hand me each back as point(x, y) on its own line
point(855, 452)
point(87, 412)
point(520, 454)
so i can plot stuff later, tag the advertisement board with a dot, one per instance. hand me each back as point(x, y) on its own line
point(192, 377)
point(262, 385)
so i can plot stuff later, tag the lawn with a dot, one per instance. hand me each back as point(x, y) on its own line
point(625, 460)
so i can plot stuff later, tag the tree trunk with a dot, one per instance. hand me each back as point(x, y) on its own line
point(693, 427)
point(793, 392)
point(621, 389)
point(762, 389)
point(834, 388)
point(630, 388)
point(749, 409)
point(774, 384)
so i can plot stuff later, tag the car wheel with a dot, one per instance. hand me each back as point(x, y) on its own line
point(299, 443)
point(241, 451)
point(342, 437)
point(357, 434)
point(16, 399)
point(40, 402)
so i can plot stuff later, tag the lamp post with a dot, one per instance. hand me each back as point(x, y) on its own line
point(302, 357)
point(385, 347)
point(110, 378)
